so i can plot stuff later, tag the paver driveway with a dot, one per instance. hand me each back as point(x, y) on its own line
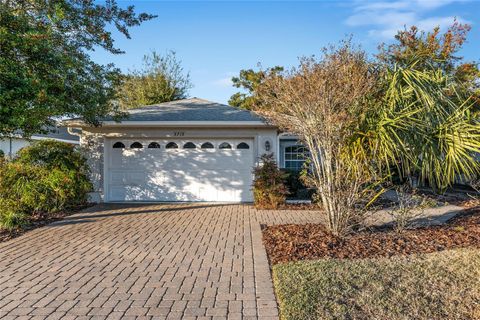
point(177, 261)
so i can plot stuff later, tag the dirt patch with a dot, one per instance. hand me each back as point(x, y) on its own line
point(291, 242)
point(38, 221)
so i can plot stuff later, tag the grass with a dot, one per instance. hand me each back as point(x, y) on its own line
point(442, 285)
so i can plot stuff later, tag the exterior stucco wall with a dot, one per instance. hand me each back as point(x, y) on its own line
point(91, 144)
point(93, 141)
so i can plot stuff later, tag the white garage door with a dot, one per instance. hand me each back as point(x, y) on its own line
point(179, 170)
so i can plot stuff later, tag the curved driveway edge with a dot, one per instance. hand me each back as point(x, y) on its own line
point(157, 261)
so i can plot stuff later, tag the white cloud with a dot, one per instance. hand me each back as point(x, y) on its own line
point(383, 5)
point(442, 22)
point(387, 17)
point(380, 18)
point(223, 82)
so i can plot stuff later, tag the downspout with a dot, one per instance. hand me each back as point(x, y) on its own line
point(74, 133)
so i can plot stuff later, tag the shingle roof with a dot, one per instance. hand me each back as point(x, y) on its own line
point(59, 133)
point(193, 109)
point(53, 132)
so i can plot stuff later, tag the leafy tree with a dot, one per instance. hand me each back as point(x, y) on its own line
point(435, 50)
point(427, 122)
point(422, 126)
point(45, 69)
point(360, 118)
point(323, 101)
point(161, 79)
point(249, 80)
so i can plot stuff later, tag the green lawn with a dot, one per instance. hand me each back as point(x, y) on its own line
point(443, 285)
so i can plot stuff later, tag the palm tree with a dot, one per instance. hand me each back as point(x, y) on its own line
point(423, 126)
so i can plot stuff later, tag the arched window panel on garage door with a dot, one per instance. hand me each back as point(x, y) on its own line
point(118, 145)
point(154, 145)
point(136, 145)
point(207, 145)
point(189, 145)
point(171, 145)
point(225, 145)
point(243, 145)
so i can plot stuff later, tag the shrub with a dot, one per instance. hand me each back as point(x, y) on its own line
point(53, 154)
point(409, 207)
point(46, 177)
point(36, 189)
point(296, 185)
point(10, 217)
point(269, 189)
point(69, 176)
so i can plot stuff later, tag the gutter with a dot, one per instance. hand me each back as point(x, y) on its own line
point(73, 123)
point(56, 139)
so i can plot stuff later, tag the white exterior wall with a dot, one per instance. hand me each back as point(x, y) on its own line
point(93, 143)
point(10, 149)
point(11, 146)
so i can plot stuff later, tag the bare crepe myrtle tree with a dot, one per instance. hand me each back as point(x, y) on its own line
point(323, 101)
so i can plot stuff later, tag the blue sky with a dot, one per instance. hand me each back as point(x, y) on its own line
point(216, 39)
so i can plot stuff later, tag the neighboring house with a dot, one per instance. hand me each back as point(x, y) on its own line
point(10, 145)
point(186, 150)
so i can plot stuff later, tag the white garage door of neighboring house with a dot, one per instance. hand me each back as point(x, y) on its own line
point(179, 170)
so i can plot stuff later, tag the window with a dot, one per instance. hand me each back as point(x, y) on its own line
point(207, 145)
point(136, 145)
point(225, 145)
point(171, 145)
point(154, 145)
point(295, 157)
point(189, 145)
point(118, 145)
point(243, 145)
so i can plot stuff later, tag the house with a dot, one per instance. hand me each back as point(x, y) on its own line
point(186, 150)
point(11, 144)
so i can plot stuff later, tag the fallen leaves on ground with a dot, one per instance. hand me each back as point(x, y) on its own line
point(292, 242)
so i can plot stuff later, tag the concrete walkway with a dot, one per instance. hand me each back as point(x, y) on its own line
point(183, 261)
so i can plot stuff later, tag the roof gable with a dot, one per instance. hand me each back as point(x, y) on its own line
point(194, 109)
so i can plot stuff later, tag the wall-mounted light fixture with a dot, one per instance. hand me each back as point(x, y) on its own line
point(267, 145)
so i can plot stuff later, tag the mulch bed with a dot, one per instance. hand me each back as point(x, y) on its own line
point(469, 203)
point(38, 221)
point(294, 206)
point(285, 243)
point(299, 206)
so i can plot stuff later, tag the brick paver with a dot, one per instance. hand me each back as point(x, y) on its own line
point(159, 261)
